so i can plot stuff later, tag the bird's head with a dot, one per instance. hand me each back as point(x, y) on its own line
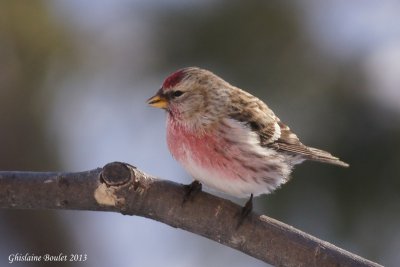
point(191, 93)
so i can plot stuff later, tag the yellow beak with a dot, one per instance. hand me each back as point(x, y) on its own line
point(158, 101)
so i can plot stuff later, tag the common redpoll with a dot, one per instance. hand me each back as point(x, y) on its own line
point(228, 139)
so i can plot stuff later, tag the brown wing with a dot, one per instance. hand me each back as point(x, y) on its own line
point(273, 133)
point(256, 115)
point(289, 142)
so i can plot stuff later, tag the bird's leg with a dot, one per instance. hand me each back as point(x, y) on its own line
point(247, 208)
point(191, 190)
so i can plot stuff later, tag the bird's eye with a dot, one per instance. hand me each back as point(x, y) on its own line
point(177, 93)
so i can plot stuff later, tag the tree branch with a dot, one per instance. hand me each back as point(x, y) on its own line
point(120, 187)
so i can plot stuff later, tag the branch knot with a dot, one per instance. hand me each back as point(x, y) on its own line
point(116, 174)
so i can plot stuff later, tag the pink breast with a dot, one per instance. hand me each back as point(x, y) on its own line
point(206, 150)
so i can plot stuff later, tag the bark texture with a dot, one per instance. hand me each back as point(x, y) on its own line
point(120, 187)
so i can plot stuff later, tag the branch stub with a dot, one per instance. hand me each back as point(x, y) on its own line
point(116, 173)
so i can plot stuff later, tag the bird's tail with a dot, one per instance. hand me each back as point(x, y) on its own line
point(326, 157)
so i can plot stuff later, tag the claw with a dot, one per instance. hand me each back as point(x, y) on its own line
point(246, 210)
point(191, 190)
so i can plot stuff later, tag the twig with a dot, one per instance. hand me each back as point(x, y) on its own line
point(120, 187)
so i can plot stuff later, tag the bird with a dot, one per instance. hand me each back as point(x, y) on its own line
point(228, 139)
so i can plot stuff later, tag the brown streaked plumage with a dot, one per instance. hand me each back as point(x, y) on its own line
point(227, 138)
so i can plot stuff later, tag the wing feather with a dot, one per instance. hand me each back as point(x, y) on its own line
point(289, 142)
point(251, 111)
point(271, 131)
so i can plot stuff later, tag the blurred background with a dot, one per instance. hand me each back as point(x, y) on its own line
point(74, 77)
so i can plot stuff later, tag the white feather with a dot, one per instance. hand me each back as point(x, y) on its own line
point(246, 181)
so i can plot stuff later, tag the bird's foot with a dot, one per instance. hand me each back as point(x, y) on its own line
point(191, 190)
point(245, 211)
